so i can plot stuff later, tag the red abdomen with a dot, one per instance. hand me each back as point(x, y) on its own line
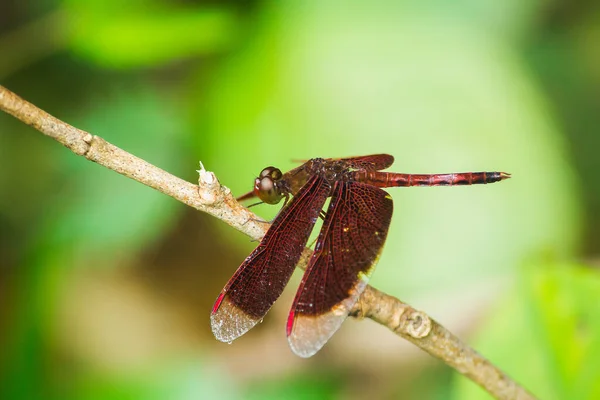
point(392, 179)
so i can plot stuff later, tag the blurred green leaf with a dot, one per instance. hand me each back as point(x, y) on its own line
point(297, 386)
point(566, 305)
point(172, 380)
point(134, 34)
point(546, 335)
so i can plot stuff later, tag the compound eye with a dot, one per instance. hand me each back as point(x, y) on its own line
point(265, 186)
point(266, 190)
point(256, 186)
point(271, 172)
point(265, 172)
point(276, 174)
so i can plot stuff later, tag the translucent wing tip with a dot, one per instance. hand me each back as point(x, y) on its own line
point(309, 333)
point(229, 322)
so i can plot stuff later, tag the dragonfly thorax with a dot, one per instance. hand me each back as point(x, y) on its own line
point(330, 170)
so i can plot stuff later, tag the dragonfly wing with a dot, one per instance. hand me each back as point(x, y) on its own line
point(261, 278)
point(374, 162)
point(346, 252)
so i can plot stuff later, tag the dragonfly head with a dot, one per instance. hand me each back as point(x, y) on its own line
point(265, 186)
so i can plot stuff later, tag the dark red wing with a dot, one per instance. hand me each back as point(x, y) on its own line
point(261, 278)
point(346, 252)
point(374, 162)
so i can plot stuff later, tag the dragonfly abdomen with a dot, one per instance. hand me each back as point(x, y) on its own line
point(392, 179)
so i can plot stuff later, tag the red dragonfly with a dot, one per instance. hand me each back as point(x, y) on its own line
point(351, 239)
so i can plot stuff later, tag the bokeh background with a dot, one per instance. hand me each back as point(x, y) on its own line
point(106, 285)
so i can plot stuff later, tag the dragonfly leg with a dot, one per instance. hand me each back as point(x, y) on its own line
point(260, 221)
point(255, 204)
point(286, 198)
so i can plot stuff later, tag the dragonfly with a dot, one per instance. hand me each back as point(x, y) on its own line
point(346, 251)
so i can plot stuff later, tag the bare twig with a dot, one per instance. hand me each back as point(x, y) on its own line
point(210, 197)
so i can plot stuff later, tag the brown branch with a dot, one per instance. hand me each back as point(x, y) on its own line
point(210, 197)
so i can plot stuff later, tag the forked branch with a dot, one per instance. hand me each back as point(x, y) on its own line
point(210, 197)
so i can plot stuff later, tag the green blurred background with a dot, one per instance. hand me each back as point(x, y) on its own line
point(106, 285)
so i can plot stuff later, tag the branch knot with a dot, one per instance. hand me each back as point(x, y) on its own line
point(419, 324)
point(209, 188)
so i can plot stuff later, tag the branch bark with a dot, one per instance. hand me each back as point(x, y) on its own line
point(210, 197)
